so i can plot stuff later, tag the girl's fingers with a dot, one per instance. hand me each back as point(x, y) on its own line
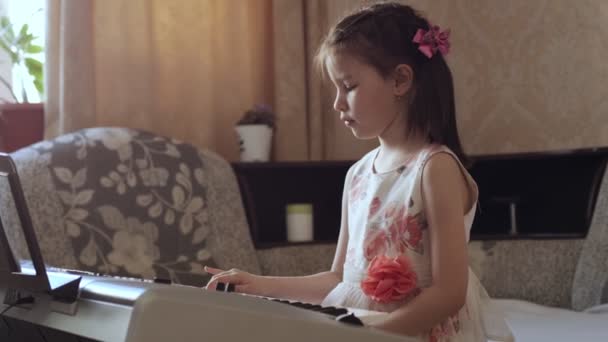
point(213, 270)
point(224, 277)
point(212, 283)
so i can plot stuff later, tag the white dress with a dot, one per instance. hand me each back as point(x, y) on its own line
point(388, 254)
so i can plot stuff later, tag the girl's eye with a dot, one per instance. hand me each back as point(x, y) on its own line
point(349, 87)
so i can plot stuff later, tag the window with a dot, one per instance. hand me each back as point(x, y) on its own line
point(32, 13)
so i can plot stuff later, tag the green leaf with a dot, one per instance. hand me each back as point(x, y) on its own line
point(9, 34)
point(5, 22)
point(23, 34)
point(5, 45)
point(19, 45)
point(24, 39)
point(36, 69)
point(33, 66)
point(34, 49)
point(39, 86)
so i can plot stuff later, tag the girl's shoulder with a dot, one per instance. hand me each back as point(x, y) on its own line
point(364, 164)
point(432, 150)
point(437, 149)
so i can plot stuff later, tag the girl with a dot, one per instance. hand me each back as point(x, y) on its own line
point(409, 204)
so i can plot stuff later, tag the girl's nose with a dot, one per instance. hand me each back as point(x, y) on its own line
point(340, 104)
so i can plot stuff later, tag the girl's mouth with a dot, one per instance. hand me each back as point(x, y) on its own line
point(349, 122)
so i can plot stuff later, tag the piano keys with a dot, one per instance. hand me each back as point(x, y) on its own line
point(111, 309)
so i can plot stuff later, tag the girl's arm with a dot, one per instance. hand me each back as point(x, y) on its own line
point(311, 289)
point(446, 194)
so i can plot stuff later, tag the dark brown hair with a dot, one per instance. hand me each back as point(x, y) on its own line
point(381, 36)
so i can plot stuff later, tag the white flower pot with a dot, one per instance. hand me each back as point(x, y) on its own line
point(255, 142)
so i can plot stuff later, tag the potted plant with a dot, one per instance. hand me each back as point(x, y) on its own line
point(21, 122)
point(255, 131)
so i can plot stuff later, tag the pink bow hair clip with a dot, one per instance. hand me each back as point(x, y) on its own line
point(433, 40)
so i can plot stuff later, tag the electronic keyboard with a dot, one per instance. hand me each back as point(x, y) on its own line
point(135, 310)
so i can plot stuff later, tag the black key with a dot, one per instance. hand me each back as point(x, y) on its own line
point(312, 307)
point(329, 310)
point(220, 287)
point(162, 281)
point(349, 319)
point(333, 311)
point(302, 305)
point(225, 287)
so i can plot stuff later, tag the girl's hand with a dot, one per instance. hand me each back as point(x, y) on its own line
point(243, 282)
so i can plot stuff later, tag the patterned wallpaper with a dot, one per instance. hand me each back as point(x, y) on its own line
point(529, 75)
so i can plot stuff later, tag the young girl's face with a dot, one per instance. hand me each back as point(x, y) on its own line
point(364, 99)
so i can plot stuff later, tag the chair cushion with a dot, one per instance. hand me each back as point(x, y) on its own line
point(590, 285)
point(533, 322)
point(132, 203)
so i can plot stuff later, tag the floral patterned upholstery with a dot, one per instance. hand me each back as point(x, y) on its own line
point(131, 203)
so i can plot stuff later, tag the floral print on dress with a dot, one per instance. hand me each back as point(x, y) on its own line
point(390, 275)
point(388, 261)
point(407, 230)
point(351, 256)
point(403, 232)
point(445, 329)
point(357, 188)
point(376, 243)
point(374, 206)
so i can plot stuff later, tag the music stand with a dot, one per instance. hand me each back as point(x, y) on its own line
point(65, 288)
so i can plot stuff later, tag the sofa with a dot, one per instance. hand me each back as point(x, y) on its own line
point(132, 203)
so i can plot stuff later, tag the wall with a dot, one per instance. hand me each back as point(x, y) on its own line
point(529, 75)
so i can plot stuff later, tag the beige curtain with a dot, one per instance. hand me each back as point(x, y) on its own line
point(189, 68)
point(301, 95)
point(186, 69)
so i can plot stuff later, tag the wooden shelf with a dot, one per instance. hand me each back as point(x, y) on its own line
point(554, 193)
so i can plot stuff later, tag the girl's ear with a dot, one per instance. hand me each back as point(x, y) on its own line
point(403, 78)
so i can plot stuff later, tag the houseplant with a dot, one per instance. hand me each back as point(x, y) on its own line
point(255, 131)
point(21, 122)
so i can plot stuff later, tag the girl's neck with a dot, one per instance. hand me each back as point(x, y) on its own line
point(395, 141)
point(395, 153)
point(397, 148)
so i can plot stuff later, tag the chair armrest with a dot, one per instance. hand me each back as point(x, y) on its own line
point(540, 271)
point(296, 260)
point(494, 324)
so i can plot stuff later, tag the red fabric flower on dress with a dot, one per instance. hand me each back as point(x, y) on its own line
point(389, 279)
